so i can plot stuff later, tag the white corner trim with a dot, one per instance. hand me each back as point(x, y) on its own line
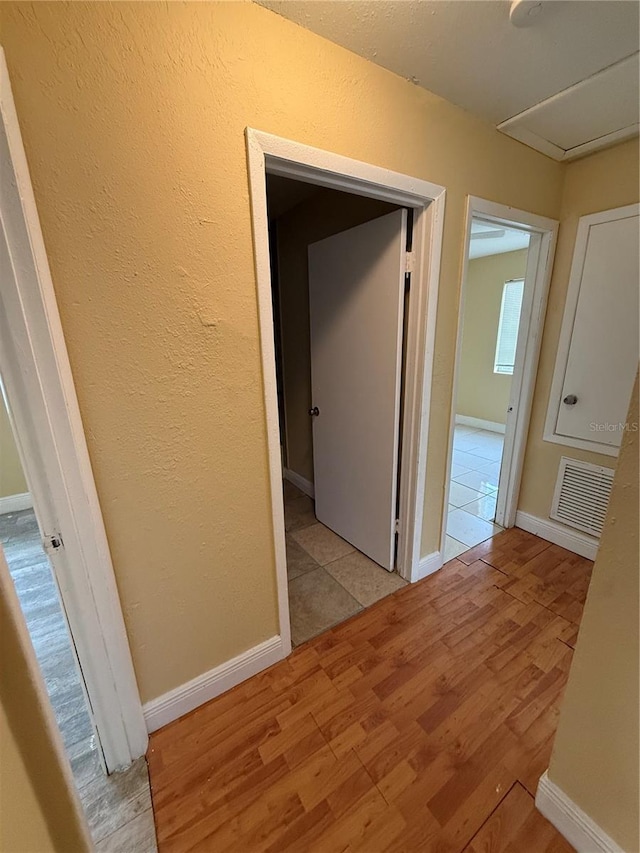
point(15, 503)
point(167, 708)
point(479, 423)
point(53, 450)
point(428, 565)
point(300, 482)
point(570, 821)
point(572, 540)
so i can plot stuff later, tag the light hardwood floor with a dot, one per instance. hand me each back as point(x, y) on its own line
point(421, 724)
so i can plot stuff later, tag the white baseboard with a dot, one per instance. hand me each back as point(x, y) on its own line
point(301, 482)
point(572, 540)
point(570, 821)
point(167, 708)
point(14, 503)
point(428, 565)
point(492, 426)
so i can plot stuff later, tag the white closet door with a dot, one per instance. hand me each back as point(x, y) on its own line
point(356, 297)
point(602, 355)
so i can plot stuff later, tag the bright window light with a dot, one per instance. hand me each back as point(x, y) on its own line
point(508, 326)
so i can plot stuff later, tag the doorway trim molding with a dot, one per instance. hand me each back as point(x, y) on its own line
point(268, 154)
point(543, 235)
point(53, 450)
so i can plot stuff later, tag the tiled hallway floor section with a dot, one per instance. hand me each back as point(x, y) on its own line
point(329, 580)
point(118, 807)
point(475, 472)
point(421, 725)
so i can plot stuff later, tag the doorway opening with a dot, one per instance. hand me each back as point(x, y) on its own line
point(116, 805)
point(337, 561)
point(25, 548)
point(490, 323)
point(508, 259)
point(60, 582)
point(365, 489)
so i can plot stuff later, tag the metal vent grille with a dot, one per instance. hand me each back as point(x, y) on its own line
point(582, 495)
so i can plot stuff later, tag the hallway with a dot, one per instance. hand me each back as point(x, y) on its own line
point(422, 723)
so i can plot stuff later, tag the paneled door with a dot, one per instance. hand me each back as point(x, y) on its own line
point(600, 331)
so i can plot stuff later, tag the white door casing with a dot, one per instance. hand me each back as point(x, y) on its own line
point(39, 386)
point(598, 352)
point(356, 296)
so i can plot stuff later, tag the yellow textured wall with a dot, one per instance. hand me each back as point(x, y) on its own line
point(133, 117)
point(12, 481)
point(23, 828)
point(327, 213)
point(596, 752)
point(481, 393)
point(602, 181)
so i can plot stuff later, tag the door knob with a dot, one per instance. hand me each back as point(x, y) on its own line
point(314, 412)
point(570, 400)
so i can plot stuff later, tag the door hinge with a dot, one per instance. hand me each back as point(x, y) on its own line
point(52, 543)
point(408, 262)
point(397, 526)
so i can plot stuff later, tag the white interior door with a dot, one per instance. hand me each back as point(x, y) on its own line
point(356, 299)
point(603, 352)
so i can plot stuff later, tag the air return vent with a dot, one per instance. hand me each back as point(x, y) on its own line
point(582, 494)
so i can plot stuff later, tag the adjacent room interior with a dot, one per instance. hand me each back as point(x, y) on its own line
point(329, 578)
point(492, 305)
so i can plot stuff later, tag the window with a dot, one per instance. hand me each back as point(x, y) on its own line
point(508, 326)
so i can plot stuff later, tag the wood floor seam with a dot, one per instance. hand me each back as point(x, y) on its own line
point(420, 725)
point(515, 597)
point(494, 810)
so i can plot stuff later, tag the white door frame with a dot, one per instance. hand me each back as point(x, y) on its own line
point(50, 437)
point(277, 156)
point(543, 234)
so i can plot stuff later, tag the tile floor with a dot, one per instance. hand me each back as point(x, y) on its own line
point(329, 580)
point(475, 469)
point(117, 807)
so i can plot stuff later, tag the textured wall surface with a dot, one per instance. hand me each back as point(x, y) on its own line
point(595, 754)
point(602, 181)
point(12, 481)
point(133, 117)
point(481, 393)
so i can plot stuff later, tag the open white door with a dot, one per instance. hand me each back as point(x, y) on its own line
point(356, 300)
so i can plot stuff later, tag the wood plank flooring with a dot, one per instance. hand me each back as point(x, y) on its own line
point(421, 724)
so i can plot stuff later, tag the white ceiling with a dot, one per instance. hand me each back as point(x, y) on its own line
point(490, 239)
point(472, 54)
